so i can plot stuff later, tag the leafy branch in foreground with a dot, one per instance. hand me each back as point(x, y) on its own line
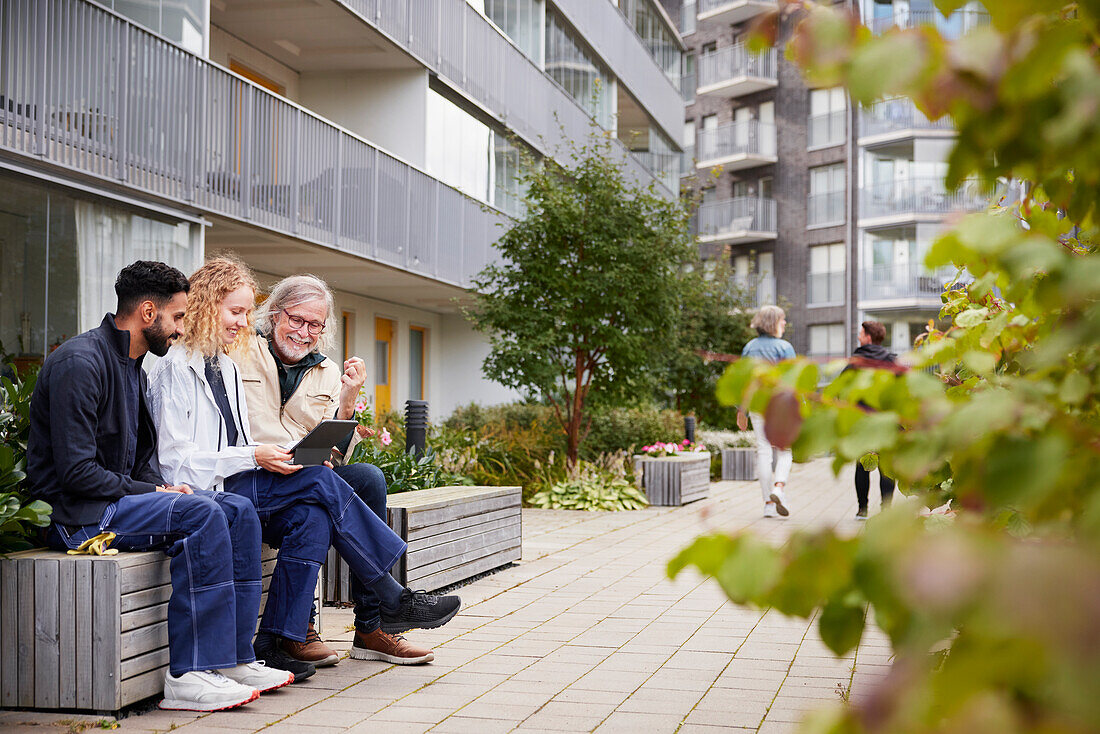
point(991, 609)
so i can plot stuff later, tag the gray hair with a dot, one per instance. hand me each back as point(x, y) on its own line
point(294, 291)
point(766, 320)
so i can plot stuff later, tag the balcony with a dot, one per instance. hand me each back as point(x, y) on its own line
point(958, 24)
point(903, 286)
point(737, 221)
point(725, 12)
point(915, 199)
point(735, 71)
point(828, 130)
point(759, 289)
point(894, 120)
point(173, 126)
point(663, 166)
point(825, 289)
point(737, 145)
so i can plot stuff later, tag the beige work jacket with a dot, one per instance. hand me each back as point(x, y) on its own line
point(316, 398)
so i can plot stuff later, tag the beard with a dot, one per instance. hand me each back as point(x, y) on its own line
point(158, 338)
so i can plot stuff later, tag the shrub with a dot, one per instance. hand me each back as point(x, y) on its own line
point(18, 517)
point(628, 429)
point(592, 489)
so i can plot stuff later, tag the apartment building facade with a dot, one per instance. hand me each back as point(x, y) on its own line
point(825, 209)
point(371, 142)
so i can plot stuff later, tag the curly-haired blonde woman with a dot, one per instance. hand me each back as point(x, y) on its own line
point(198, 403)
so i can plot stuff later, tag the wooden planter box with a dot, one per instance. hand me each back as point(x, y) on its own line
point(739, 464)
point(453, 533)
point(673, 480)
point(86, 632)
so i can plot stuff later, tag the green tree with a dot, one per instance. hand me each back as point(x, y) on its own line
point(992, 610)
point(586, 293)
point(714, 323)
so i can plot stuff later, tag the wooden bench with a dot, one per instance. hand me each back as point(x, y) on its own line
point(453, 533)
point(86, 632)
point(673, 480)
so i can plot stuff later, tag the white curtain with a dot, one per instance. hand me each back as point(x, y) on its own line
point(109, 239)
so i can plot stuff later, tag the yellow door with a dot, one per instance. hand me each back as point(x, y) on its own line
point(383, 363)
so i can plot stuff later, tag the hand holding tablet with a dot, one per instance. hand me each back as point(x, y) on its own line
point(315, 447)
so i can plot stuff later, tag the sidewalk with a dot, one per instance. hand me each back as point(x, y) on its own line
point(587, 634)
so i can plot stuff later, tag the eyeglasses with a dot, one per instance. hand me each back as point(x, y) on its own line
point(297, 322)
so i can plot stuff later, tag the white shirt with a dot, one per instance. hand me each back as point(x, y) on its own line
point(192, 447)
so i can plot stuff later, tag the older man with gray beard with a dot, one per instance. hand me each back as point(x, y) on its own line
point(291, 386)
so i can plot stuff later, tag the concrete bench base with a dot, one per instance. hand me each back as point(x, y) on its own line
point(453, 533)
point(673, 480)
point(86, 632)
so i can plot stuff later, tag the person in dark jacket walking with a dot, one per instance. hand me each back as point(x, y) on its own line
point(871, 354)
point(91, 456)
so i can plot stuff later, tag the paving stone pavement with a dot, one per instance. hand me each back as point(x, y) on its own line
point(588, 634)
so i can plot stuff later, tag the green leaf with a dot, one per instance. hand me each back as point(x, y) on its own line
point(749, 571)
point(1075, 388)
point(841, 625)
point(971, 317)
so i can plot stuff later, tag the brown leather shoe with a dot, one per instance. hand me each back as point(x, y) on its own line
point(311, 651)
point(379, 645)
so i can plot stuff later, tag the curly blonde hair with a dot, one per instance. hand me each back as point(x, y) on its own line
point(210, 284)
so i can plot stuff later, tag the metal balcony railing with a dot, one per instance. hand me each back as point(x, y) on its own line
point(85, 90)
point(736, 61)
point(759, 290)
point(828, 129)
point(663, 166)
point(743, 214)
point(918, 195)
point(906, 282)
point(957, 24)
point(825, 209)
point(452, 38)
point(824, 289)
point(891, 115)
point(748, 138)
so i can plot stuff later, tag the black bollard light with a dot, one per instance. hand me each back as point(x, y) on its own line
point(689, 428)
point(416, 426)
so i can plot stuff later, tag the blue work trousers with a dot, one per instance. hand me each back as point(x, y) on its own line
point(369, 483)
point(213, 539)
point(303, 514)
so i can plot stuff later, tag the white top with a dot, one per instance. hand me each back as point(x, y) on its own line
point(192, 447)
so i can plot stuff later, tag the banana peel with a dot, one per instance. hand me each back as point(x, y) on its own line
point(96, 546)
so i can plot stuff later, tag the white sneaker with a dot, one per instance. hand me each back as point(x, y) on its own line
point(204, 690)
point(780, 501)
point(769, 509)
point(257, 675)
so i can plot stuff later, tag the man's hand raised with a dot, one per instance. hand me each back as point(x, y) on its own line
point(355, 375)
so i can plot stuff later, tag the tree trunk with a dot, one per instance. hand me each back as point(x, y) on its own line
point(576, 412)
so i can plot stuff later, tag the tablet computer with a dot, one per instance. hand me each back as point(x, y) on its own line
point(316, 446)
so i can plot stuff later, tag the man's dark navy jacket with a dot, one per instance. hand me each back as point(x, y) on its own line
point(80, 421)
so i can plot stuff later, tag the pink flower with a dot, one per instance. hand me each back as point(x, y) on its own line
point(386, 439)
point(360, 405)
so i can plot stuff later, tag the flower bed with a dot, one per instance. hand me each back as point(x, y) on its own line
point(674, 480)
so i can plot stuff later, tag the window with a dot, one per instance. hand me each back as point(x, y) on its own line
point(578, 72)
point(182, 21)
point(826, 276)
point(766, 187)
point(827, 340)
point(657, 37)
point(827, 117)
point(740, 189)
point(687, 79)
point(825, 205)
point(520, 20)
